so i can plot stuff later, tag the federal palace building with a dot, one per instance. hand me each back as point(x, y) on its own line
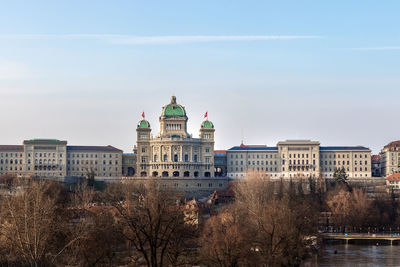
point(175, 154)
point(299, 158)
point(172, 153)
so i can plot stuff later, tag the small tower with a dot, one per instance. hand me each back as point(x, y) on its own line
point(143, 131)
point(207, 131)
point(207, 137)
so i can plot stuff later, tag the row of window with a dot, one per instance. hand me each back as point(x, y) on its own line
point(173, 127)
point(175, 158)
point(236, 156)
point(298, 156)
point(73, 155)
point(85, 169)
point(207, 136)
point(254, 162)
point(330, 175)
point(300, 162)
point(293, 168)
point(206, 150)
point(5, 155)
point(84, 174)
point(45, 161)
point(343, 162)
point(254, 156)
point(44, 155)
point(11, 161)
point(10, 169)
point(270, 169)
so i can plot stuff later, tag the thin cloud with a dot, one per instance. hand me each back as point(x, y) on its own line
point(377, 48)
point(175, 39)
point(204, 38)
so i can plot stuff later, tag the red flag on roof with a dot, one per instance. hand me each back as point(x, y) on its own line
point(143, 114)
point(206, 115)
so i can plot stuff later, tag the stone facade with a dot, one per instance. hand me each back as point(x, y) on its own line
point(174, 152)
point(390, 159)
point(129, 164)
point(376, 165)
point(220, 163)
point(55, 159)
point(299, 158)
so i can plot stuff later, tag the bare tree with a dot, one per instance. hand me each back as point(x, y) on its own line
point(31, 219)
point(351, 208)
point(100, 238)
point(339, 204)
point(272, 227)
point(225, 240)
point(150, 220)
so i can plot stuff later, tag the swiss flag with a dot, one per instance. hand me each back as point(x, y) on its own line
point(143, 114)
point(206, 115)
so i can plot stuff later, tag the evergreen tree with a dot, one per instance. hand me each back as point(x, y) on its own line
point(311, 184)
point(340, 176)
point(300, 190)
point(90, 175)
point(280, 189)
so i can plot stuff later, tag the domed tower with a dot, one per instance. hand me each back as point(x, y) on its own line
point(207, 130)
point(173, 120)
point(143, 131)
point(207, 137)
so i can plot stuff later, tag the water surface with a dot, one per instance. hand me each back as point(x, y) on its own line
point(359, 255)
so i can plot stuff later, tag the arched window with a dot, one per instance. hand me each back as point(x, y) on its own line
point(165, 174)
point(131, 171)
point(207, 174)
point(196, 174)
point(186, 174)
point(175, 158)
point(175, 174)
point(143, 174)
point(155, 174)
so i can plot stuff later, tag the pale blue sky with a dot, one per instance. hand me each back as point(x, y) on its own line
point(84, 71)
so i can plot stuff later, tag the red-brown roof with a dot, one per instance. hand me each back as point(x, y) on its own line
point(11, 148)
point(394, 177)
point(375, 158)
point(393, 144)
point(223, 193)
point(219, 151)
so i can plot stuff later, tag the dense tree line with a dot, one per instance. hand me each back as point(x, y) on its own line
point(43, 223)
point(269, 223)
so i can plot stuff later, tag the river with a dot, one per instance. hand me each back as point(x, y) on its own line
point(358, 255)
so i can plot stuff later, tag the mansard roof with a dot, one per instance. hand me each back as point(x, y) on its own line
point(343, 148)
point(11, 148)
point(393, 144)
point(93, 148)
point(321, 148)
point(253, 148)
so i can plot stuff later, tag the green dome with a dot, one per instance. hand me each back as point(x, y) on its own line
point(143, 124)
point(173, 109)
point(207, 125)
